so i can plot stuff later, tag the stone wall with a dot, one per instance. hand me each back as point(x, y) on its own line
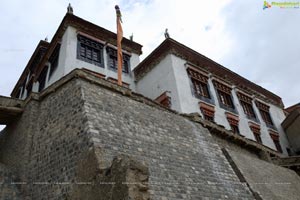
point(49, 147)
point(184, 161)
point(8, 185)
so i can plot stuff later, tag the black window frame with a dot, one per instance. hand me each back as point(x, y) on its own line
point(42, 79)
point(265, 114)
point(235, 128)
point(112, 60)
point(90, 51)
point(199, 86)
point(249, 110)
point(200, 89)
point(257, 137)
point(53, 59)
point(224, 98)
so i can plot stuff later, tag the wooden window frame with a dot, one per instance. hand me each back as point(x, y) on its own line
point(224, 96)
point(208, 111)
point(255, 128)
point(275, 137)
point(200, 87)
point(246, 103)
point(42, 78)
point(53, 59)
point(112, 60)
point(233, 121)
point(95, 56)
point(265, 114)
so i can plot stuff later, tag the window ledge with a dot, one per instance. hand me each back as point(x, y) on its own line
point(228, 108)
point(206, 100)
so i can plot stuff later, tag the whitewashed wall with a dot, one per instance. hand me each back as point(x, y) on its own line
point(160, 79)
point(68, 60)
point(170, 74)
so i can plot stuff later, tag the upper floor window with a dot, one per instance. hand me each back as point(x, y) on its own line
point(233, 121)
point(90, 51)
point(208, 111)
point(265, 114)
point(225, 98)
point(54, 59)
point(275, 138)
point(42, 79)
point(246, 103)
point(113, 60)
point(255, 128)
point(200, 85)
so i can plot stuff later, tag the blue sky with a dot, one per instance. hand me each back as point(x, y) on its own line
point(261, 45)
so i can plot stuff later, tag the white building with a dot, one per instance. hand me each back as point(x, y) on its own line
point(173, 74)
point(77, 44)
point(189, 82)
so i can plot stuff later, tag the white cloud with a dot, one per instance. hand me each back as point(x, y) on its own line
point(261, 45)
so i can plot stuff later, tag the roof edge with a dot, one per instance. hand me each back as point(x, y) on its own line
point(171, 45)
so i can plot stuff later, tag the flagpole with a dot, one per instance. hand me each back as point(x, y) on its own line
point(119, 40)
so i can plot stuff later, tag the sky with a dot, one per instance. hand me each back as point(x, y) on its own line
point(261, 45)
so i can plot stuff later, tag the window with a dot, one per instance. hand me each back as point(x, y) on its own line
point(199, 85)
point(208, 111)
point(265, 115)
point(90, 51)
point(224, 94)
point(234, 129)
point(275, 138)
point(246, 103)
point(113, 60)
point(42, 78)
point(200, 89)
point(54, 60)
point(164, 100)
point(258, 138)
point(248, 110)
point(233, 121)
point(225, 99)
point(29, 86)
point(255, 128)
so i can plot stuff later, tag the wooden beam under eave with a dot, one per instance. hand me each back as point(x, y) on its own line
point(9, 114)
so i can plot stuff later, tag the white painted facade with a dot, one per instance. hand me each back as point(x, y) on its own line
point(68, 60)
point(170, 74)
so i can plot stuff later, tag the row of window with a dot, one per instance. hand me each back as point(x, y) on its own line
point(233, 120)
point(201, 90)
point(92, 52)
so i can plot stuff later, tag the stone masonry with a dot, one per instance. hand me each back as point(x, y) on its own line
point(85, 129)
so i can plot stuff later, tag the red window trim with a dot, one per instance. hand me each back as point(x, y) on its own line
point(164, 99)
point(255, 128)
point(232, 119)
point(197, 75)
point(245, 98)
point(207, 109)
point(262, 106)
point(222, 87)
